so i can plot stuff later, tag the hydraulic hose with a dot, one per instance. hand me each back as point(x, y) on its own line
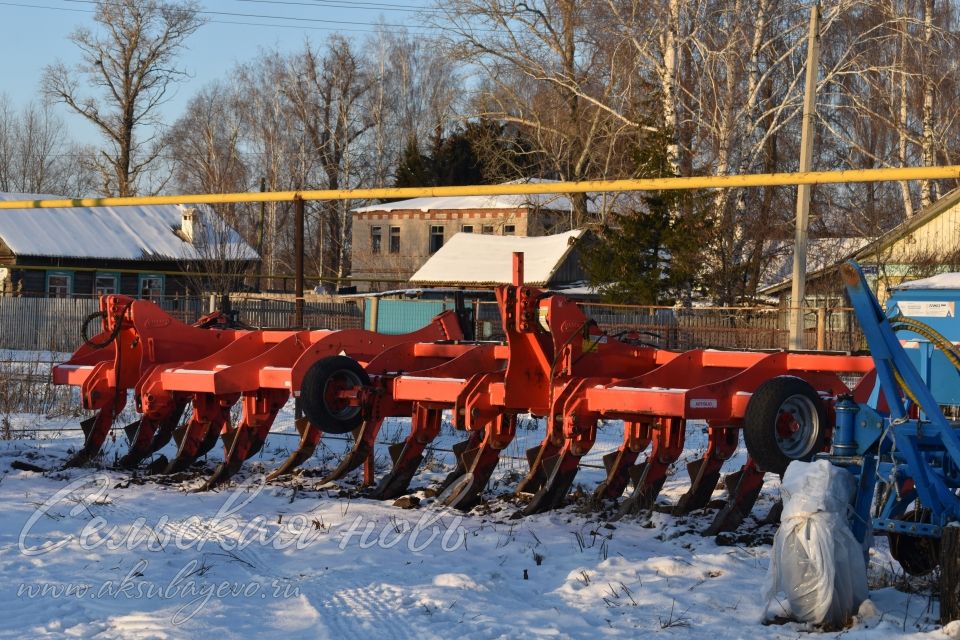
point(100, 344)
point(902, 323)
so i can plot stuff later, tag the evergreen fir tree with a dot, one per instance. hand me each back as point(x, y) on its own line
point(414, 169)
point(647, 253)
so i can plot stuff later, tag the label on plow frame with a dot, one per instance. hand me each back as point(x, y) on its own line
point(703, 403)
point(916, 308)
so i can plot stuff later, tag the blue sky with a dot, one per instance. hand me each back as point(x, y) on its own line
point(36, 32)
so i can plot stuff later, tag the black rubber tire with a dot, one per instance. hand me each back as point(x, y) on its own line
point(760, 422)
point(949, 575)
point(918, 555)
point(312, 394)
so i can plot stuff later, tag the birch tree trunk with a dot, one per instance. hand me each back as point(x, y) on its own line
point(928, 187)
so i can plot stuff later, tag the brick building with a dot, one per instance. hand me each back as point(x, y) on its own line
point(393, 239)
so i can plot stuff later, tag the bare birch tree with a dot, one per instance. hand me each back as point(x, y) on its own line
point(328, 91)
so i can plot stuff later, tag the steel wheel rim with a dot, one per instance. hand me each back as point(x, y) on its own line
point(337, 382)
point(797, 426)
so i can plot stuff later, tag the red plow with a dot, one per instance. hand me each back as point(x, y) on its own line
point(555, 364)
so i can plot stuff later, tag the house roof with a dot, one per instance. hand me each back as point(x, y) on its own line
point(552, 202)
point(925, 215)
point(869, 249)
point(822, 254)
point(113, 233)
point(477, 259)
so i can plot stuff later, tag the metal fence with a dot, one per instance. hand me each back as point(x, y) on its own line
point(53, 324)
point(708, 327)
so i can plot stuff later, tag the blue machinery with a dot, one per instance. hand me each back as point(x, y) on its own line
point(904, 452)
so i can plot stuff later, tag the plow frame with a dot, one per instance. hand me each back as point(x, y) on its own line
point(555, 363)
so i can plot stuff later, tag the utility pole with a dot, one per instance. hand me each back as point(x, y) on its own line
point(261, 230)
point(298, 261)
point(797, 291)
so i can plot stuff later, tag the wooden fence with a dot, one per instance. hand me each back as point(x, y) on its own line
point(709, 327)
point(53, 324)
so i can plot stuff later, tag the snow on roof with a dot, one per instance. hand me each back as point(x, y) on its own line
point(116, 233)
point(548, 201)
point(821, 253)
point(477, 259)
point(939, 281)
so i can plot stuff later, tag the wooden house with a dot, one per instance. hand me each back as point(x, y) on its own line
point(143, 251)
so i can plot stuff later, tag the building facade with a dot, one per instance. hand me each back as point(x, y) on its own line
point(390, 241)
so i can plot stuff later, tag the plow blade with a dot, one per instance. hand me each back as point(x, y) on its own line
point(95, 432)
point(478, 464)
point(362, 450)
point(744, 488)
point(559, 471)
point(705, 472)
point(538, 458)
point(147, 437)
point(459, 450)
point(617, 464)
point(194, 441)
point(407, 457)
point(650, 476)
point(309, 439)
point(648, 480)
point(704, 477)
point(240, 445)
point(260, 409)
point(133, 430)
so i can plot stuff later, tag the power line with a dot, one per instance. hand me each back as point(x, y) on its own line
point(34, 6)
point(227, 22)
point(363, 6)
point(374, 4)
point(234, 14)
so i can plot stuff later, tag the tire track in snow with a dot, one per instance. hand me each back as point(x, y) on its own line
point(383, 611)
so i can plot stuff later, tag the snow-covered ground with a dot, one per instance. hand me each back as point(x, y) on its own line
point(106, 554)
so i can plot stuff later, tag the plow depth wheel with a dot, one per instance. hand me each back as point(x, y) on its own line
point(785, 420)
point(321, 396)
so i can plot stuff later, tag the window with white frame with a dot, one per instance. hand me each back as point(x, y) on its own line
point(151, 286)
point(106, 283)
point(59, 284)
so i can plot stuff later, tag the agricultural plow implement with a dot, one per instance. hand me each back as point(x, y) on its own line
point(555, 364)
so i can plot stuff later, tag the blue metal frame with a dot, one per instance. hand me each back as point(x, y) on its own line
point(915, 458)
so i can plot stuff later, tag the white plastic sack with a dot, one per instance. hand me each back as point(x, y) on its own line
point(816, 562)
